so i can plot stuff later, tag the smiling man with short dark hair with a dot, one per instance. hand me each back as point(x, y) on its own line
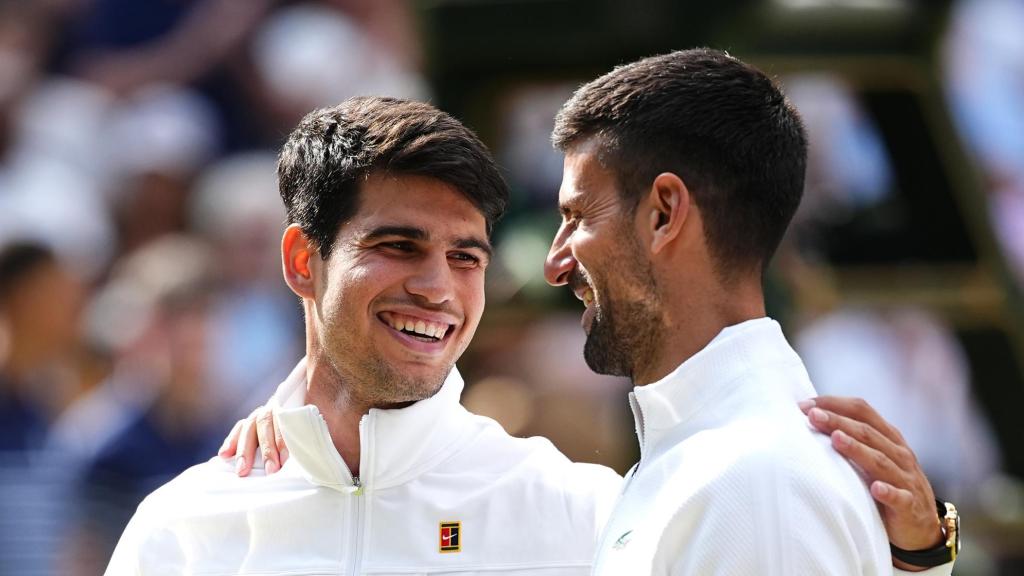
point(390, 206)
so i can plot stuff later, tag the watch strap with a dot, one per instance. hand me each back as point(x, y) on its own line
point(945, 551)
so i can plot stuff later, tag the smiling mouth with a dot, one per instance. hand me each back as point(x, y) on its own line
point(417, 328)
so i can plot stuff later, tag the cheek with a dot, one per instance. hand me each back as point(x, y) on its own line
point(341, 293)
point(586, 246)
point(472, 298)
point(603, 247)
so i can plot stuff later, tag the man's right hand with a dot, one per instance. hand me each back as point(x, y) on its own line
point(255, 431)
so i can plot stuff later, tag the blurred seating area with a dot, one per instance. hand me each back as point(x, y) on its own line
point(142, 310)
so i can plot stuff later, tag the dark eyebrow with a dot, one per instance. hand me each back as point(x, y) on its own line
point(477, 243)
point(409, 232)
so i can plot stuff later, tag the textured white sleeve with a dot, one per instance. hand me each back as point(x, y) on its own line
point(737, 544)
point(757, 519)
point(942, 570)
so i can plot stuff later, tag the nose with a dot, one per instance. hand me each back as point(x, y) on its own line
point(432, 282)
point(560, 262)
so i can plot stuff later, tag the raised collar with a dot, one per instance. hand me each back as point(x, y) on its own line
point(708, 375)
point(395, 445)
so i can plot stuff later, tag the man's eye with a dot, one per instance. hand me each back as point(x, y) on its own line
point(400, 246)
point(464, 258)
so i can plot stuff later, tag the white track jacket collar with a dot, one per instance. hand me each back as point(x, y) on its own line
point(395, 445)
point(443, 492)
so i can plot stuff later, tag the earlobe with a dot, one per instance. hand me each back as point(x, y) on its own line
point(669, 207)
point(296, 253)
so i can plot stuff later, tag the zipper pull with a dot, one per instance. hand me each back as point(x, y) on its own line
point(359, 487)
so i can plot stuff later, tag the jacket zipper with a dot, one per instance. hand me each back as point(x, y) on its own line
point(357, 526)
point(358, 496)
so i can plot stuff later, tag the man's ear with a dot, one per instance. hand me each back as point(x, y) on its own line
point(668, 206)
point(297, 255)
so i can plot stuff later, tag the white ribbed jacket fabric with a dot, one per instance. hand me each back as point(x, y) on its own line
point(732, 479)
point(523, 507)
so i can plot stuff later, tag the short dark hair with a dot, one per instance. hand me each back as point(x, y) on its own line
point(18, 260)
point(333, 150)
point(721, 125)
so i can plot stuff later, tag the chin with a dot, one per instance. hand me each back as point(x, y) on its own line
point(412, 385)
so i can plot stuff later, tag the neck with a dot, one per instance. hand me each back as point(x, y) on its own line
point(692, 320)
point(342, 411)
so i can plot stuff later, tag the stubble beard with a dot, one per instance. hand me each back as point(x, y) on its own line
point(624, 333)
point(376, 383)
point(385, 386)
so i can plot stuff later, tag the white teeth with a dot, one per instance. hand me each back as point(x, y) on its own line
point(419, 327)
point(588, 297)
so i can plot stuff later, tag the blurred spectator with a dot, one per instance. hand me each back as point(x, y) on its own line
point(125, 45)
point(911, 368)
point(51, 174)
point(314, 54)
point(984, 57)
point(39, 306)
point(164, 351)
point(535, 167)
point(256, 332)
point(23, 45)
point(39, 302)
point(158, 140)
point(848, 166)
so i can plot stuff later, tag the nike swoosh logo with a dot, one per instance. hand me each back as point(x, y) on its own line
point(446, 537)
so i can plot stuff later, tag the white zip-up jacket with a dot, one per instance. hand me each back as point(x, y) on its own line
point(733, 481)
point(442, 491)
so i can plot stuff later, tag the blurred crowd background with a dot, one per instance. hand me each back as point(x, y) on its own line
point(142, 309)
